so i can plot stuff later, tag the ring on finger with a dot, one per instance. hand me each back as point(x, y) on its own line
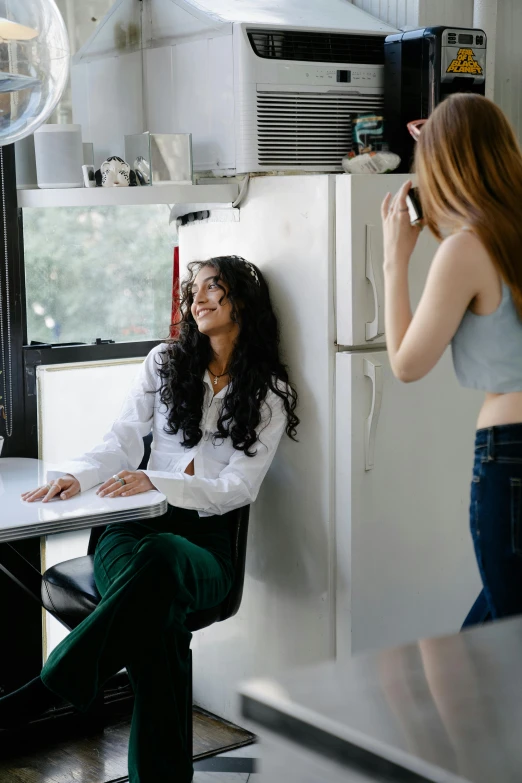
point(47, 487)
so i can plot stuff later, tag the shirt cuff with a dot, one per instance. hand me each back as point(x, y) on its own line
point(172, 485)
point(86, 474)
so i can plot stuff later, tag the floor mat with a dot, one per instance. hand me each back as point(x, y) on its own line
point(63, 750)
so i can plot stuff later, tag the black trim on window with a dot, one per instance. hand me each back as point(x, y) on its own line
point(20, 614)
point(13, 446)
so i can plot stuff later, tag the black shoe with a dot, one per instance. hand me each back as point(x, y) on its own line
point(26, 704)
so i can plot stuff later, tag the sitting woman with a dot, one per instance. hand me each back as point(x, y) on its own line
point(217, 400)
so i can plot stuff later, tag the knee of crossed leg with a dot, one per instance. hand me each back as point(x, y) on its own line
point(164, 551)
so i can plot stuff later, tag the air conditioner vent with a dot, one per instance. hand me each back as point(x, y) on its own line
point(308, 129)
point(318, 47)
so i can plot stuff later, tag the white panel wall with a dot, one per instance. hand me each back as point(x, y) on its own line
point(420, 13)
point(173, 105)
point(457, 13)
point(398, 13)
point(108, 102)
point(287, 615)
point(508, 61)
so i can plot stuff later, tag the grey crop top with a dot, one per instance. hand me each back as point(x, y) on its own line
point(487, 349)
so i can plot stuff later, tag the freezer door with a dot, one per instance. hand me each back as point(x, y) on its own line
point(359, 258)
point(405, 562)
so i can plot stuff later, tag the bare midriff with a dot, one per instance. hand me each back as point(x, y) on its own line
point(190, 469)
point(501, 409)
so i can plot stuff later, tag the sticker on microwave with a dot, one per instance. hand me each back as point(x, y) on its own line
point(465, 62)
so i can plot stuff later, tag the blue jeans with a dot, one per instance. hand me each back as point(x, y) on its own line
point(496, 522)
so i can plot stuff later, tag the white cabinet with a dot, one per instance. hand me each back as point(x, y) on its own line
point(359, 257)
point(405, 564)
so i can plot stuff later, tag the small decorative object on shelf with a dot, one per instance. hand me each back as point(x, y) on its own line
point(371, 152)
point(142, 169)
point(88, 153)
point(89, 179)
point(371, 163)
point(160, 158)
point(59, 156)
point(115, 173)
point(25, 163)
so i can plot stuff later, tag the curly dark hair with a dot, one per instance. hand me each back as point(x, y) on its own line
point(254, 369)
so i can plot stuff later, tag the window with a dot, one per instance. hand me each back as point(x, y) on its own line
point(98, 272)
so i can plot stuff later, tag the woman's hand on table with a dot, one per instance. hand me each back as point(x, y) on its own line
point(124, 483)
point(64, 487)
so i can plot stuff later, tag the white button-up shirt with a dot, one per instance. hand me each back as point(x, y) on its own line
point(224, 477)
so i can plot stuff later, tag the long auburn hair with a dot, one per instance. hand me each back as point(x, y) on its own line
point(255, 366)
point(469, 167)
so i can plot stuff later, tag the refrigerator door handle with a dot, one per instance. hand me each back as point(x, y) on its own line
point(374, 328)
point(374, 373)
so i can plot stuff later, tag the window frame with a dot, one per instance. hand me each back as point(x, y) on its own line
point(49, 354)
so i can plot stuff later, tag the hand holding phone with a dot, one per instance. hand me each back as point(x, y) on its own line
point(414, 207)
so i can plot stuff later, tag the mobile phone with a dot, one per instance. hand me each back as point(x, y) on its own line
point(414, 207)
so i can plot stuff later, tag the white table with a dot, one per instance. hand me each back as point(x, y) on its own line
point(19, 519)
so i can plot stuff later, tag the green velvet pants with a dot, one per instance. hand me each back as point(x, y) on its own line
point(150, 575)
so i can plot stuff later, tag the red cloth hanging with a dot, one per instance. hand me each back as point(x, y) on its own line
point(176, 313)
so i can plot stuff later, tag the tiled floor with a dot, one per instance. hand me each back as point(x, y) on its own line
point(251, 751)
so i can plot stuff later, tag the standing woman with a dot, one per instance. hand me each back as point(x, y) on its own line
point(469, 168)
point(217, 400)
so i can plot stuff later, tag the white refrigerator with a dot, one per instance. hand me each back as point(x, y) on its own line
point(359, 538)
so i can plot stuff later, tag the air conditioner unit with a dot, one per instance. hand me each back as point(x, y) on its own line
point(258, 90)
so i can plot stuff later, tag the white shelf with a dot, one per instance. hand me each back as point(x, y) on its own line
point(224, 193)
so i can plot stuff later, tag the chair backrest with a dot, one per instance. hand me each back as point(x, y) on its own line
point(239, 539)
point(238, 525)
point(96, 532)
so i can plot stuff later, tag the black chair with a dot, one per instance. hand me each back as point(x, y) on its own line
point(69, 594)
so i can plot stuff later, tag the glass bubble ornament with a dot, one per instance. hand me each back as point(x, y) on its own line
point(34, 65)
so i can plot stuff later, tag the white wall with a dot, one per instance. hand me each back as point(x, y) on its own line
point(396, 12)
point(81, 19)
point(508, 61)
point(287, 615)
point(458, 13)
point(420, 13)
point(108, 102)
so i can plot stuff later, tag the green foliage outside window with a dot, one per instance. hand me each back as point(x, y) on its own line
point(99, 272)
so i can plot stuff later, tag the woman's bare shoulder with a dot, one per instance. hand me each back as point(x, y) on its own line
point(466, 252)
point(466, 240)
